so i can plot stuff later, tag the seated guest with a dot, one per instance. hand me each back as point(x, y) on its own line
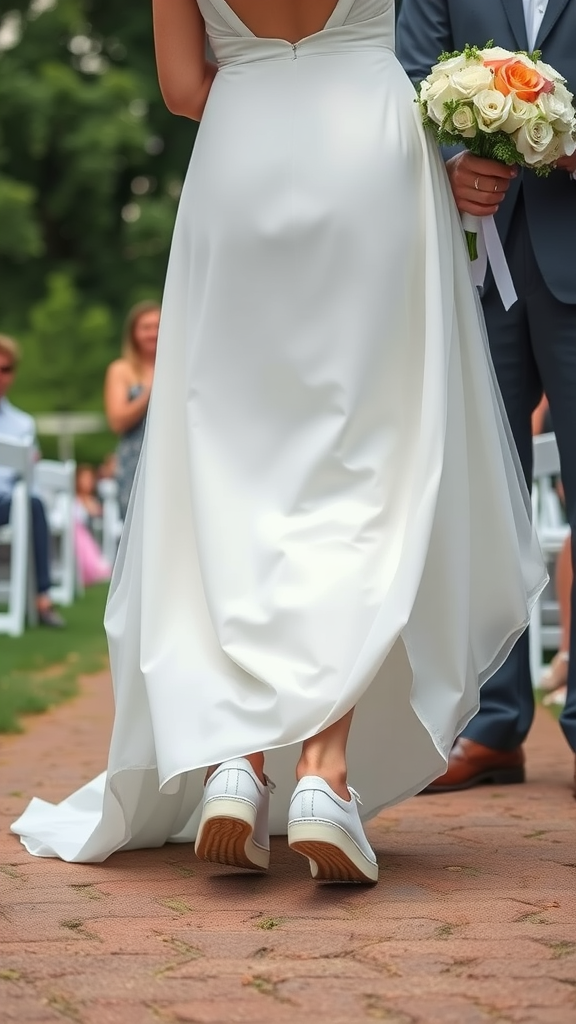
point(16, 425)
point(91, 564)
point(88, 504)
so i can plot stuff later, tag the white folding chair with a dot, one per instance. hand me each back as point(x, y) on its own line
point(111, 519)
point(18, 589)
point(55, 483)
point(552, 530)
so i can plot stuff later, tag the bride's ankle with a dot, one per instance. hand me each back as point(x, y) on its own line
point(257, 762)
point(337, 778)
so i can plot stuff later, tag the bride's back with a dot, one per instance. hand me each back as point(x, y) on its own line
point(284, 19)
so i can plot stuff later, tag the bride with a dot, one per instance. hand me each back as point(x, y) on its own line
point(328, 546)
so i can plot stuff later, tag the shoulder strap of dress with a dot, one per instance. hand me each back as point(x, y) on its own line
point(340, 13)
point(358, 10)
point(228, 16)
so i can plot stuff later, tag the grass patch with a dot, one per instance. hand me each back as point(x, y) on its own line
point(41, 668)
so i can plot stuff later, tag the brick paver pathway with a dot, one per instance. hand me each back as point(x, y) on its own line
point(473, 922)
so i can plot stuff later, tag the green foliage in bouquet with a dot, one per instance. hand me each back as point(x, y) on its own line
point(469, 52)
point(474, 53)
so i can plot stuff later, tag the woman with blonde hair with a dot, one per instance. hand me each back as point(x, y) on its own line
point(127, 390)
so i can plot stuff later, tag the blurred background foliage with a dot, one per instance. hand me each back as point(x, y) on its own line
point(91, 168)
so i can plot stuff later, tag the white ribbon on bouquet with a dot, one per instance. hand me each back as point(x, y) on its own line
point(490, 251)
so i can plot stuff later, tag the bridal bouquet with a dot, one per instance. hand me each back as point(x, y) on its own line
point(506, 106)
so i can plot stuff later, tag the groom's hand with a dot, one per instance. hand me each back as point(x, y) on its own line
point(479, 185)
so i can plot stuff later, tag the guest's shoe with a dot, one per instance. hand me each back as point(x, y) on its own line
point(472, 764)
point(327, 830)
point(51, 618)
point(233, 827)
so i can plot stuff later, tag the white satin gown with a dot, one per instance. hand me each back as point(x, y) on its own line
point(327, 511)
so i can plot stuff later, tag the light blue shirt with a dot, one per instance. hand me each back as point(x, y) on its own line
point(534, 11)
point(15, 425)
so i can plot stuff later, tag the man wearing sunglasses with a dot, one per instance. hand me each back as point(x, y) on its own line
point(18, 425)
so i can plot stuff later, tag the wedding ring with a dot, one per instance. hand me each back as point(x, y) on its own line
point(476, 180)
point(496, 187)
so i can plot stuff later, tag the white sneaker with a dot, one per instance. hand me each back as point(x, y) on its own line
point(233, 828)
point(327, 830)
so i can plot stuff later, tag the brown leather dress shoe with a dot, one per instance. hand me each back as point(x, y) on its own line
point(471, 764)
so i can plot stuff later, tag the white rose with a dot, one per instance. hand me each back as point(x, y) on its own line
point(553, 152)
point(549, 72)
point(520, 112)
point(464, 122)
point(496, 53)
point(567, 140)
point(439, 93)
point(472, 79)
point(557, 106)
point(533, 139)
point(554, 108)
point(550, 155)
point(447, 67)
point(435, 75)
point(492, 109)
point(564, 96)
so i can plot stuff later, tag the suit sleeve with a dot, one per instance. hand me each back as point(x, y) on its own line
point(423, 32)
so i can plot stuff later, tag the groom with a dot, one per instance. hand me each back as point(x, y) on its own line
point(533, 345)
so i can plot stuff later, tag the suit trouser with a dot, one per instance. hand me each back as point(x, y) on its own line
point(40, 537)
point(533, 347)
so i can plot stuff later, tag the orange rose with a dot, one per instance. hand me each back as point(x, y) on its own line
point(494, 64)
point(515, 76)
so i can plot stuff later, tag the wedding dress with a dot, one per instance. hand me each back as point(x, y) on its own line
point(327, 511)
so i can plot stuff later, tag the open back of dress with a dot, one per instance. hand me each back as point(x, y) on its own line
point(280, 19)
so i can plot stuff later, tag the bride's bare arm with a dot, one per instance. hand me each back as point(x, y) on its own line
point(184, 74)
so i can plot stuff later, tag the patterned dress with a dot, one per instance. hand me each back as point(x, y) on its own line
point(128, 453)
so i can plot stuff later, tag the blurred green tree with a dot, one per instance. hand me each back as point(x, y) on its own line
point(65, 333)
point(91, 166)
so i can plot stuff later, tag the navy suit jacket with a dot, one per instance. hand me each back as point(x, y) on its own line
point(426, 28)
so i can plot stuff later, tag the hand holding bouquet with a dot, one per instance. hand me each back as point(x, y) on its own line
point(500, 105)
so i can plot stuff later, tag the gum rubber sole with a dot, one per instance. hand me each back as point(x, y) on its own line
point(227, 840)
point(329, 863)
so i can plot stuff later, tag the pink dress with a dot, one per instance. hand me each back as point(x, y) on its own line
point(92, 566)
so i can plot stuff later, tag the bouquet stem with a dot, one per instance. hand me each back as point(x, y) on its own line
point(472, 243)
